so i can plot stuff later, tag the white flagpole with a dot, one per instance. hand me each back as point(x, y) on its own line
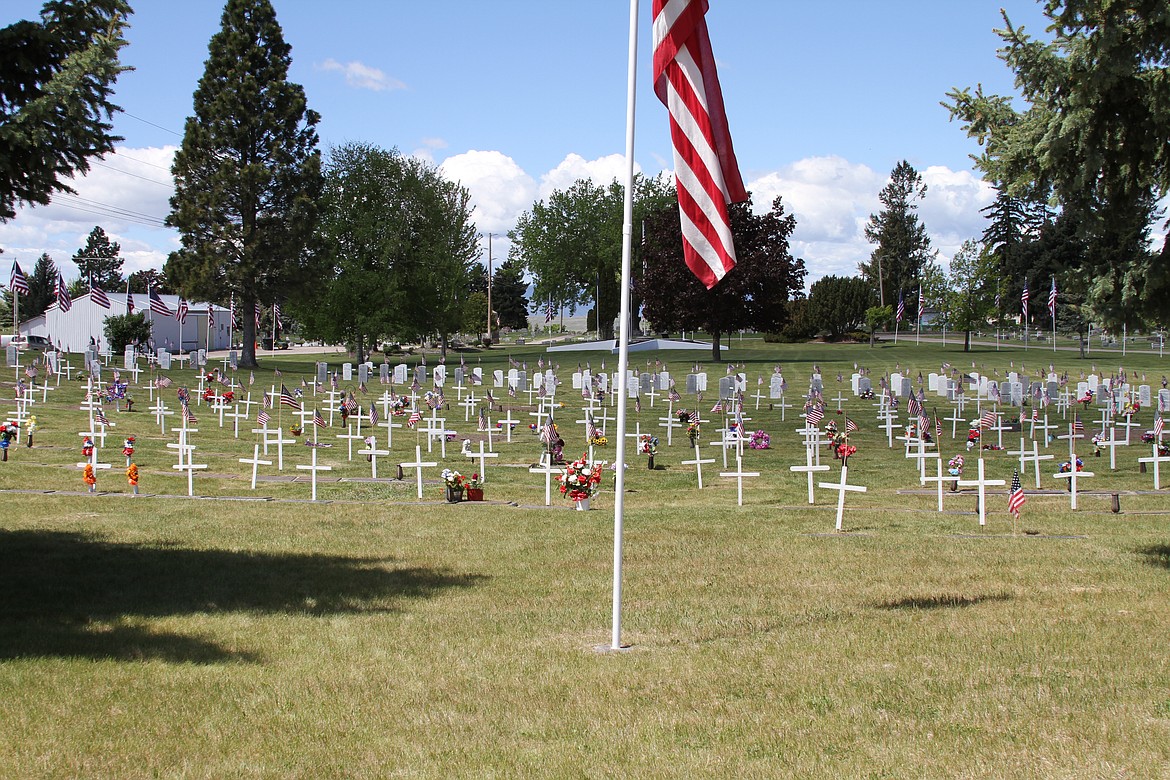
point(624, 331)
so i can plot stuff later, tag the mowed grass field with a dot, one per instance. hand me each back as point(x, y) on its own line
point(372, 635)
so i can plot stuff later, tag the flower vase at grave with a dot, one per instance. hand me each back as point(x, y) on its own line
point(650, 463)
point(454, 495)
point(583, 505)
point(474, 494)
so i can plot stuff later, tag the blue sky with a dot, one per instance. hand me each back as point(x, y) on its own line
point(515, 99)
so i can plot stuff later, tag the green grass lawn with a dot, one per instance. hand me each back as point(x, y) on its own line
point(376, 636)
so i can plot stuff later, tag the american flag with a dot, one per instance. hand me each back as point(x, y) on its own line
point(157, 305)
point(1024, 301)
point(275, 315)
point(548, 434)
point(813, 415)
point(98, 296)
point(481, 420)
point(923, 424)
point(19, 282)
point(988, 419)
point(188, 415)
point(100, 418)
point(913, 406)
point(549, 314)
point(1016, 497)
point(591, 430)
point(184, 395)
point(257, 308)
point(374, 414)
point(1078, 426)
point(64, 302)
point(287, 398)
point(262, 418)
point(937, 426)
point(901, 309)
point(163, 382)
point(706, 172)
point(31, 371)
point(694, 418)
point(921, 302)
point(850, 426)
point(672, 394)
point(638, 405)
point(511, 391)
point(1158, 427)
point(181, 311)
point(318, 420)
point(1052, 299)
point(351, 404)
point(718, 407)
point(489, 398)
point(412, 421)
point(232, 311)
point(129, 299)
point(266, 401)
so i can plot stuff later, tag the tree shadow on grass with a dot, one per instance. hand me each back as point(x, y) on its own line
point(67, 595)
point(1157, 555)
point(943, 601)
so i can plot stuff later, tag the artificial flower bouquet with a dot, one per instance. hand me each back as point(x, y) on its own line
point(760, 440)
point(580, 480)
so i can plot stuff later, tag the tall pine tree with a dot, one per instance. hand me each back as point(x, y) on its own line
point(903, 248)
point(100, 261)
point(248, 174)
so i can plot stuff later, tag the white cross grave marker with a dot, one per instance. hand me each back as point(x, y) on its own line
point(842, 487)
point(255, 461)
point(982, 483)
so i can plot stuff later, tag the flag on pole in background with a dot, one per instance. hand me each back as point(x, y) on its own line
point(1016, 496)
point(921, 302)
point(129, 299)
point(901, 309)
point(64, 302)
point(232, 312)
point(1024, 302)
point(98, 296)
point(707, 175)
point(19, 282)
point(275, 315)
point(1052, 299)
point(549, 314)
point(181, 311)
point(157, 305)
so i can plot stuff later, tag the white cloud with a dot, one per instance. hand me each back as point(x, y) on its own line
point(126, 194)
point(832, 199)
point(361, 76)
point(601, 171)
point(499, 187)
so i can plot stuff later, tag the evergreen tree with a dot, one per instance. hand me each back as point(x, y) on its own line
point(1092, 137)
point(508, 295)
point(99, 261)
point(248, 174)
point(42, 288)
point(56, 79)
point(142, 282)
point(837, 304)
point(903, 247)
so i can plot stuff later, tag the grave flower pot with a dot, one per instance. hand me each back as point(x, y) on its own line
point(454, 495)
point(583, 505)
point(475, 494)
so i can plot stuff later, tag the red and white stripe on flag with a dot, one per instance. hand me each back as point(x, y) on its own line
point(705, 169)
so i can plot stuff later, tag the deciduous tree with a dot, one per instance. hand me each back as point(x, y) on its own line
point(754, 294)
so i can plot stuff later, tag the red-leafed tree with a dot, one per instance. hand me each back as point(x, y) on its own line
point(755, 294)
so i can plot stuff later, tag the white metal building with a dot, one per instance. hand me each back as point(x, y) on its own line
point(84, 323)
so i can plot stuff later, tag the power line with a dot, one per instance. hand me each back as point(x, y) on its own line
point(152, 124)
point(135, 175)
point(110, 211)
point(123, 155)
point(115, 210)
